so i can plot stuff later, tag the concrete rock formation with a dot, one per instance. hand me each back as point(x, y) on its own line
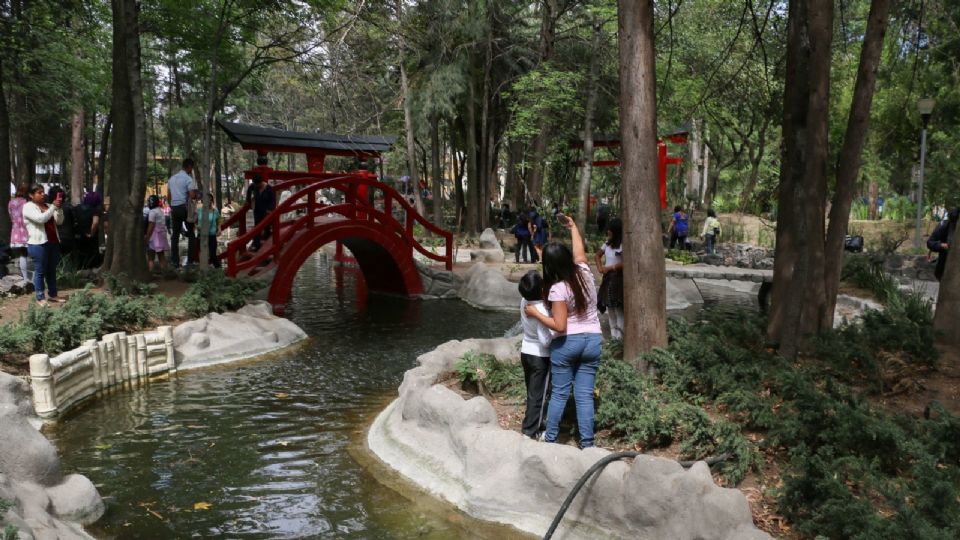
point(219, 338)
point(456, 450)
point(438, 283)
point(44, 503)
point(490, 250)
point(15, 284)
point(485, 287)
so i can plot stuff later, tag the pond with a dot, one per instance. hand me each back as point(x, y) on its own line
point(273, 448)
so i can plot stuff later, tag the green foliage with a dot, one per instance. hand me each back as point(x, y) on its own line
point(851, 470)
point(682, 256)
point(214, 292)
point(15, 338)
point(490, 374)
point(68, 276)
point(640, 412)
point(9, 532)
point(88, 314)
point(863, 272)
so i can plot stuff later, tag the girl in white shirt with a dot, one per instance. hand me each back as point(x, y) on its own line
point(610, 263)
point(534, 353)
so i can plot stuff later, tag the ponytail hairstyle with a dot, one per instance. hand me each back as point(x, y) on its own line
point(615, 228)
point(558, 266)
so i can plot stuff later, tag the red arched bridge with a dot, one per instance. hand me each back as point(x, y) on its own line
point(370, 218)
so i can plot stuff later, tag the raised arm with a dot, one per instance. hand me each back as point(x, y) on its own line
point(576, 241)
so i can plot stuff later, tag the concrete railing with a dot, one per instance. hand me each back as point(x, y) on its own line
point(118, 360)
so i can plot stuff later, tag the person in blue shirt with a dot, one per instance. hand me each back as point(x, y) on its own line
point(521, 231)
point(679, 226)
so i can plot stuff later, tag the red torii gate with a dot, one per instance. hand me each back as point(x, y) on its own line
point(677, 137)
point(378, 233)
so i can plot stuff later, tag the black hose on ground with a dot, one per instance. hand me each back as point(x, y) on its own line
point(597, 467)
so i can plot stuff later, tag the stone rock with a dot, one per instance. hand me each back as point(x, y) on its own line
point(488, 240)
point(487, 255)
point(25, 454)
point(438, 283)
point(15, 284)
point(485, 287)
point(76, 499)
point(219, 338)
point(44, 504)
point(456, 449)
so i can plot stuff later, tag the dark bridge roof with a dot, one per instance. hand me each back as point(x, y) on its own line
point(279, 140)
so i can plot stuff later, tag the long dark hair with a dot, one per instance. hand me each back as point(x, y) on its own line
point(616, 233)
point(558, 266)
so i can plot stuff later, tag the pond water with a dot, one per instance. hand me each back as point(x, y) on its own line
point(273, 448)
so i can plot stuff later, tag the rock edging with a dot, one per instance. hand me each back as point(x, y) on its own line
point(455, 449)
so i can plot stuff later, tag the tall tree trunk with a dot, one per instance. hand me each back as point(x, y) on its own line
point(408, 116)
point(129, 154)
point(76, 158)
point(473, 176)
point(798, 300)
point(435, 173)
point(946, 320)
point(6, 179)
point(645, 315)
point(848, 162)
point(548, 36)
point(756, 157)
point(101, 175)
point(587, 171)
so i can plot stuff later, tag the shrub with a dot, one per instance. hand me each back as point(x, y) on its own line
point(490, 374)
point(214, 292)
point(15, 338)
point(850, 470)
point(682, 256)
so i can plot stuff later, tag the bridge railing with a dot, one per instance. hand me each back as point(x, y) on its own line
point(354, 207)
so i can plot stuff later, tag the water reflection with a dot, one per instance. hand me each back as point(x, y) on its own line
point(259, 450)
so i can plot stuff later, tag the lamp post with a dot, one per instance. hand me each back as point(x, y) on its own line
point(924, 107)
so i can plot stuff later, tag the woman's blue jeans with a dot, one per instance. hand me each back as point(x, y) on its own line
point(45, 257)
point(574, 361)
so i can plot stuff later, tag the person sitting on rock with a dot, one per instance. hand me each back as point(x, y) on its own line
point(534, 353)
point(941, 239)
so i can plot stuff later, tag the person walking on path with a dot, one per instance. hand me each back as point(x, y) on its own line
point(87, 218)
point(261, 198)
point(534, 353)
point(678, 228)
point(156, 234)
point(521, 231)
point(711, 232)
point(18, 230)
point(43, 242)
point(541, 233)
point(575, 350)
point(610, 264)
point(212, 215)
point(182, 192)
point(942, 238)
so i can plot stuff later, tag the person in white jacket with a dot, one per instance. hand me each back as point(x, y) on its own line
point(534, 353)
point(43, 241)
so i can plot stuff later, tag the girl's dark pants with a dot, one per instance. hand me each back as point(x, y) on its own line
point(536, 375)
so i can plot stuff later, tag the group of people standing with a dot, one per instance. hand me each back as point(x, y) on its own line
point(44, 228)
point(562, 337)
point(185, 215)
point(532, 233)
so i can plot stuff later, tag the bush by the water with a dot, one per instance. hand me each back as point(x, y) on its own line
point(215, 292)
point(490, 374)
point(89, 314)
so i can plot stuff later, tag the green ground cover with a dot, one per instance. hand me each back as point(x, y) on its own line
point(848, 468)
